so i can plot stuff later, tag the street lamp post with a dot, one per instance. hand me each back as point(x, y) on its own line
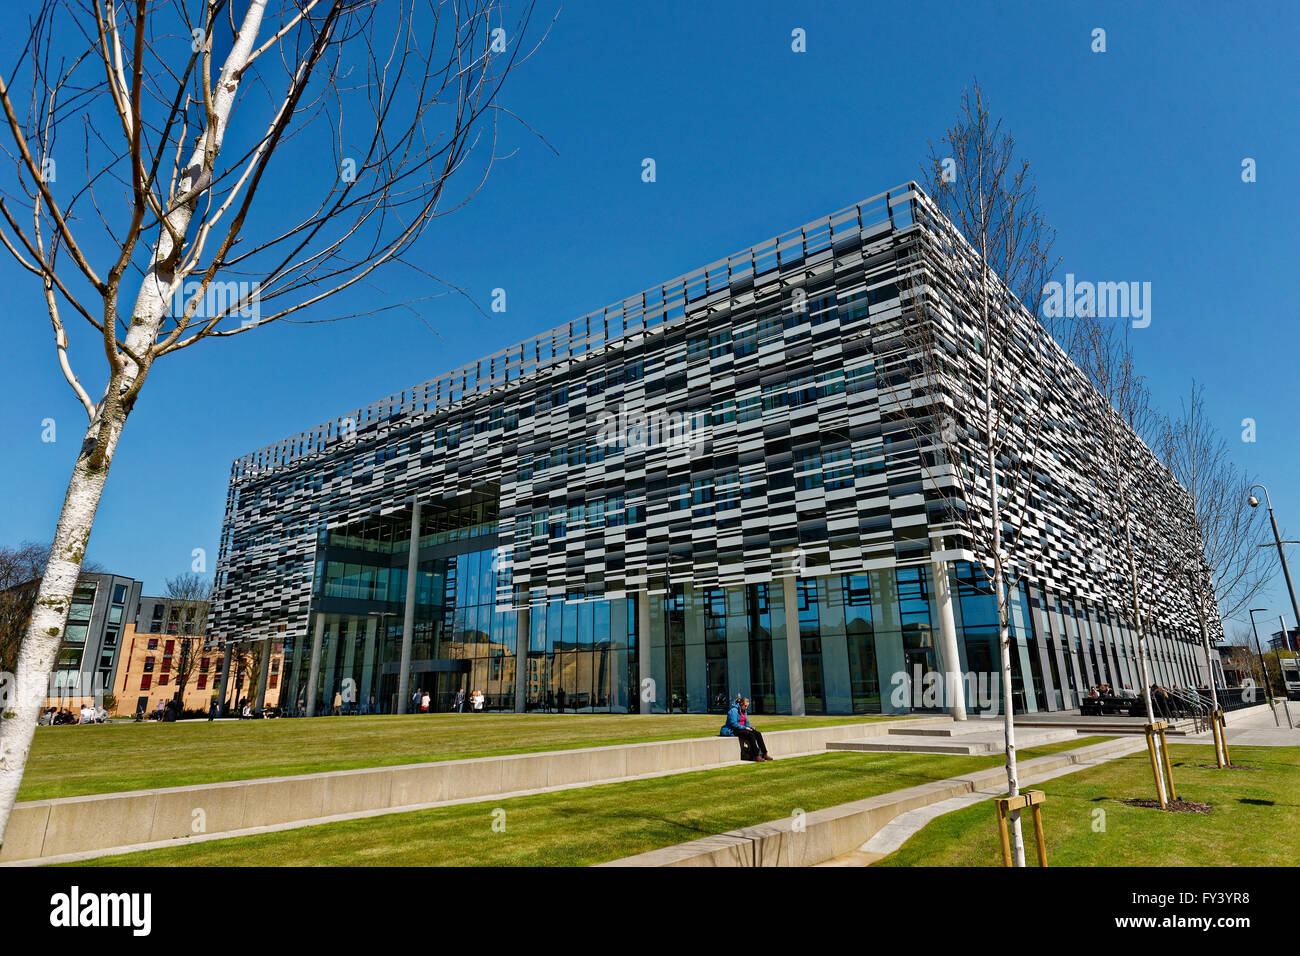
point(1268, 691)
point(1253, 501)
point(1286, 642)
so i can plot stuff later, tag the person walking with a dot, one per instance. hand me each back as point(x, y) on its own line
point(478, 701)
point(459, 705)
point(416, 699)
point(425, 701)
point(338, 704)
point(738, 725)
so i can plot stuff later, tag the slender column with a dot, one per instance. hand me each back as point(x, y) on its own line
point(793, 645)
point(313, 675)
point(953, 689)
point(350, 658)
point(642, 647)
point(408, 613)
point(267, 645)
point(225, 675)
point(522, 643)
point(367, 688)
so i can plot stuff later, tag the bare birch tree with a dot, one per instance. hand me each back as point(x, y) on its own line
point(244, 161)
point(1133, 548)
point(1225, 549)
point(970, 349)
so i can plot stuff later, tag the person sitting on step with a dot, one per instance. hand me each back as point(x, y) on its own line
point(738, 725)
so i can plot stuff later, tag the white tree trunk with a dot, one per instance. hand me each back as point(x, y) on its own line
point(1004, 662)
point(153, 303)
point(1008, 717)
point(1140, 627)
point(1220, 743)
point(44, 636)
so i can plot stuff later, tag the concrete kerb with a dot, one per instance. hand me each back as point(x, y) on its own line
point(78, 828)
point(834, 831)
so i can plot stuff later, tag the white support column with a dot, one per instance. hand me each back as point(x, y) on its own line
point(366, 689)
point(953, 689)
point(225, 676)
point(408, 612)
point(262, 675)
point(313, 673)
point(793, 644)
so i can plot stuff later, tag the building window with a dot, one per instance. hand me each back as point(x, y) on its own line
point(146, 681)
point(810, 642)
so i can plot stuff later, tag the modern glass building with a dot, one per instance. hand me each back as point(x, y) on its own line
point(709, 488)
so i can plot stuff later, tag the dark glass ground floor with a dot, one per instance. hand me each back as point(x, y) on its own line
point(835, 644)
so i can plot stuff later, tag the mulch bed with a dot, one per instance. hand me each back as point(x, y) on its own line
point(1175, 806)
point(1231, 766)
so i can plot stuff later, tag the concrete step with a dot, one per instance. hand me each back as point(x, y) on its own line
point(974, 725)
point(981, 741)
point(1106, 726)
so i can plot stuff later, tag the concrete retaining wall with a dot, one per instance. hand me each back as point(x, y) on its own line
point(840, 829)
point(47, 828)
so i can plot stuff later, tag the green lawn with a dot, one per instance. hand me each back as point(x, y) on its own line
point(584, 826)
point(106, 758)
point(1253, 821)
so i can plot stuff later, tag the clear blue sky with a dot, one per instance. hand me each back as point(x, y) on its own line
point(1138, 154)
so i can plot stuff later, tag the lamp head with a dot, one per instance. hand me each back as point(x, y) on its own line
point(1253, 501)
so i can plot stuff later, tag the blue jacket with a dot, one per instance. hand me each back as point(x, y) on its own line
point(733, 723)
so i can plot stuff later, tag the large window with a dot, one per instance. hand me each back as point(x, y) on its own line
point(762, 686)
point(918, 636)
point(810, 644)
point(715, 648)
point(863, 675)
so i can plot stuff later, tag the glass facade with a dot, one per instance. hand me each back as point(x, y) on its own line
point(865, 642)
point(608, 512)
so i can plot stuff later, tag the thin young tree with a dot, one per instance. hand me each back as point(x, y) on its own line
point(1132, 550)
point(190, 596)
point(1225, 548)
point(975, 414)
point(241, 162)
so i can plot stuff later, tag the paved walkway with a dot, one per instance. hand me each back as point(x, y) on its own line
point(903, 827)
point(1258, 729)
